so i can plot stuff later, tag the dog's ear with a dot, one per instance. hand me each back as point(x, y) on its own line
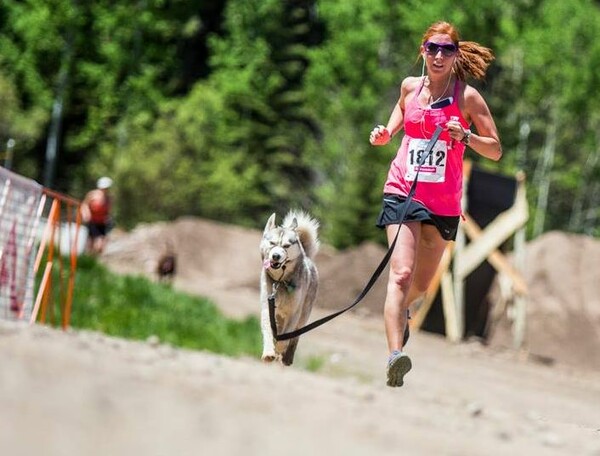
point(294, 224)
point(270, 223)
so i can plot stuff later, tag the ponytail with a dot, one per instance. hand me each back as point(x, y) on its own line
point(472, 59)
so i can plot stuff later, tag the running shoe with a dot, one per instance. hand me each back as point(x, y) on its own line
point(398, 366)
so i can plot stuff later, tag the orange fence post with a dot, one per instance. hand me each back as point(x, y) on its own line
point(73, 268)
point(51, 230)
point(41, 292)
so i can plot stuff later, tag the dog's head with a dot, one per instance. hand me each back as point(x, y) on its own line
point(280, 245)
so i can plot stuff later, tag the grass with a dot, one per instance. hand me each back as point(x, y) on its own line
point(314, 363)
point(134, 307)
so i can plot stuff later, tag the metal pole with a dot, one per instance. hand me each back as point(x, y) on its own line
point(10, 144)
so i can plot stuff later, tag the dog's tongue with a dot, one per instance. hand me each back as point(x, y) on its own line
point(267, 264)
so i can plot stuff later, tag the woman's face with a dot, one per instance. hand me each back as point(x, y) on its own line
point(439, 52)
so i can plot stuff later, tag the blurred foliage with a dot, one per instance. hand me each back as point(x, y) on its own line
point(232, 110)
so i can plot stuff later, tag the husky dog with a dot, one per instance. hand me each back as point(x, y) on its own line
point(288, 271)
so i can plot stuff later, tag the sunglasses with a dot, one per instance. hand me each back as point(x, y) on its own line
point(433, 48)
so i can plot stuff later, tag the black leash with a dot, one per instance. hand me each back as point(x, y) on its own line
point(378, 271)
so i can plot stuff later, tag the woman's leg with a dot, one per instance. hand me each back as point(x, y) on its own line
point(429, 253)
point(413, 264)
point(401, 270)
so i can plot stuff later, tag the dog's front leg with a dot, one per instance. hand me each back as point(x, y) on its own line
point(268, 354)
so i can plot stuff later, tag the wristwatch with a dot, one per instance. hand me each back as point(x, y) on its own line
point(466, 138)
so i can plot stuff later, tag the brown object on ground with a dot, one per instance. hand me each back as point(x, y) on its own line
point(166, 267)
point(78, 392)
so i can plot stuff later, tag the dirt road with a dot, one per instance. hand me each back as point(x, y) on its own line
point(81, 393)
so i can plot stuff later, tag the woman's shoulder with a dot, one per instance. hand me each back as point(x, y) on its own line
point(95, 196)
point(471, 102)
point(470, 91)
point(471, 95)
point(412, 82)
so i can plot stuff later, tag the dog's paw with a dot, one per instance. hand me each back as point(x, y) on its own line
point(269, 358)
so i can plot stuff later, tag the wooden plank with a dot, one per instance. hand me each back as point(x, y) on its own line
point(451, 318)
point(496, 233)
point(520, 323)
point(458, 282)
point(497, 259)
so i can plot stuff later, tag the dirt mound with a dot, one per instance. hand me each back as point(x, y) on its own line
point(563, 307)
point(344, 275)
point(222, 262)
point(225, 254)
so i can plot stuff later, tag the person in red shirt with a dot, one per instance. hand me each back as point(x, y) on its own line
point(96, 215)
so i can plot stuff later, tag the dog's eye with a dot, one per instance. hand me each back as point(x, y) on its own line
point(273, 243)
point(286, 245)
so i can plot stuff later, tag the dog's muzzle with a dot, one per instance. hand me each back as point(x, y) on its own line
point(277, 257)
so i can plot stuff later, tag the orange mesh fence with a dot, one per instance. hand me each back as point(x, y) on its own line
point(20, 200)
point(39, 238)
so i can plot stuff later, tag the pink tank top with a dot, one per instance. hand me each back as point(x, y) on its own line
point(439, 186)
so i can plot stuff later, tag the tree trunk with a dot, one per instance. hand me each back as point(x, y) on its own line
point(543, 175)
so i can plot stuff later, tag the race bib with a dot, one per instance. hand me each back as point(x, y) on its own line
point(434, 167)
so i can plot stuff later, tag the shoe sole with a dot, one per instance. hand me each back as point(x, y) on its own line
point(397, 369)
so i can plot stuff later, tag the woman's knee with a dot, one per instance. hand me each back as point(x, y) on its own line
point(401, 276)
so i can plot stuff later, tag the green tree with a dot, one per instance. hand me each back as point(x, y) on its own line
point(548, 74)
point(233, 148)
point(32, 46)
point(259, 70)
point(99, 62)
point(232, 110)
point(352, 84)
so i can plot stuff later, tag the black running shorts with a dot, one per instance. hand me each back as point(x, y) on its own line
point(393, 205)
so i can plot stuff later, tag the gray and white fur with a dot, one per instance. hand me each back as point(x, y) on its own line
point(288, 269)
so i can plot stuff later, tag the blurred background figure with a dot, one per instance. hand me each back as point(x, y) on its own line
point(167, 264)
point(96, 215)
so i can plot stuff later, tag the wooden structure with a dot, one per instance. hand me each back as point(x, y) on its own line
point(479, 240)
